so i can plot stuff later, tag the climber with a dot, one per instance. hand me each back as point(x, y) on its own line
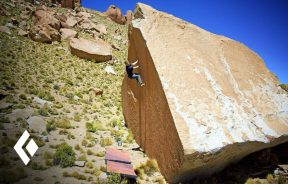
point(131, 75)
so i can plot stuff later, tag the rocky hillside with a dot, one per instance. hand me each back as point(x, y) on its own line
point(67, 103)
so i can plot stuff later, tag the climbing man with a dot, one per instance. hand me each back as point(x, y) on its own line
point(131, 75)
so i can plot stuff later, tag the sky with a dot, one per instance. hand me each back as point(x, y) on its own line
point(262, 25)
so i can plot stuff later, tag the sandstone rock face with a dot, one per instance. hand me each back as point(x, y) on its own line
point(70, 3)
point(208, 100)
point(97, 50)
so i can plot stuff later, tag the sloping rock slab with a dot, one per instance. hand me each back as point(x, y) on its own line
point(208, 101)
point(96, 50)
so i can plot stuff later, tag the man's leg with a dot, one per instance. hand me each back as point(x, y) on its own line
point(137, 77)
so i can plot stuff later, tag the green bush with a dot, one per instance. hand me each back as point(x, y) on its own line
point(51, 125)
point(64, 123)
point(64, 155)
point(94, 126)
point(12, 175)
point(114, 178)
point(106, 142)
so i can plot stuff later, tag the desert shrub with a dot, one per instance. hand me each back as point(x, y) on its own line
point(90, 152)
point(64, 123)
point(82, 158)
point(100, 154)
point(77, 117)
point(284, 86)
point(78, 176)
point(64, 155)
point(148, 168)
point(114, 178)
point(36, 166)
point(45, 95)
point(12, 175)
point(106, 142)
point(51, 125)
point(44, 111)
point(8, 141)
point(23, 96)
point(130, 137)
point(94, 126)
point(77, 147)
point(89, 165)
point(103, 168)
point(84, 142)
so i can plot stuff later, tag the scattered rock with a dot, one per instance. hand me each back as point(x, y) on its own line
point(110, 70)
point(44, 138)
point(44, 33)
point(46, 18)
point(102, 178)
point(116, 47)
point(68, 33)
point(83, 15)
point(97, 91)
point(70, 22)
point(87, 24)
point(100, 28)
point(61, 17)
point(80, 163)
point(22, 33)
point(20, 114)
point(75, 97)
point(115, 14)
point(41, 102)
point(22, 24)
point(129, 16)
point(5, 29)
point(98, 50)
point(37, 124)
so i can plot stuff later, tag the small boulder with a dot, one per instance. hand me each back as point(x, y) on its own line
point(44, 33)
point(115, 14)
point(97, 91)
point(110, 70)
point(37, 124)
point(91, 49)
point(101, 28)
point(79, 163)
point(129, 16)
point(5, 29)
point(70, 22)
point(102, 178)
point(68, 33)
point(22, 32)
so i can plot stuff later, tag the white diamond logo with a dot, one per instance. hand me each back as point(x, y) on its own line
point(31, 147)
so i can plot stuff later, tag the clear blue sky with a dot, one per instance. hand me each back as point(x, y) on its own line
point(262, 25)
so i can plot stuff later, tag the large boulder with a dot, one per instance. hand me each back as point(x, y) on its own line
point(44, 33)
point(97, 50)
point(115, 14)
point(47, 18)
point(208, 101)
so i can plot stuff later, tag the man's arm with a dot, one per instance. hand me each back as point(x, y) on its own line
point(134, 67)
point(134, 62)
